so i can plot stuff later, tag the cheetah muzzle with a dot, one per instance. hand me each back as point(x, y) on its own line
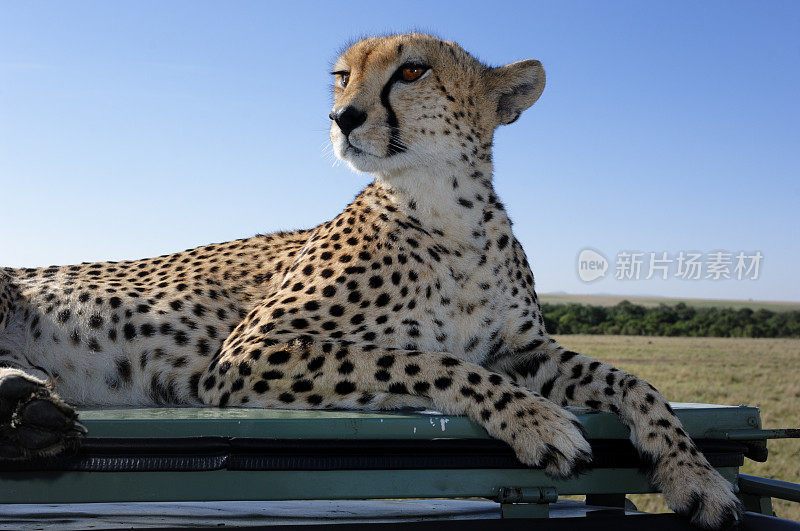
point(417, 294)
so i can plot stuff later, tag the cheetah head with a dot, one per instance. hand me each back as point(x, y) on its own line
point(414, 100)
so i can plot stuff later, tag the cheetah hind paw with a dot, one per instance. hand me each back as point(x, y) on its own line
point(34, 422)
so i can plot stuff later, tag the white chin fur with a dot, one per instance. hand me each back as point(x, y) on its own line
point(359, 159)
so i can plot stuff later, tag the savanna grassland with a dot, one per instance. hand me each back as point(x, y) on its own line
point(756, 372)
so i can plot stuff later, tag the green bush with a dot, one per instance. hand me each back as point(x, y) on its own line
point(669, 320)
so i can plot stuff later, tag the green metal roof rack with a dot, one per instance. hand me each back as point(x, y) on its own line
point(200, 454)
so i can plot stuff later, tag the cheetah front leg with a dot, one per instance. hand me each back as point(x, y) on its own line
point(689, 484)
point(306, 374)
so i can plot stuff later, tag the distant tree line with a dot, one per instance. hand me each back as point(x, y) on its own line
point(680, 319)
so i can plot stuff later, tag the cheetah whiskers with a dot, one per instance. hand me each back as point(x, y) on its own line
point(404, 139)
point(329, 154)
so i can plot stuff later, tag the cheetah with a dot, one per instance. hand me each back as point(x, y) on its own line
point(417, 295)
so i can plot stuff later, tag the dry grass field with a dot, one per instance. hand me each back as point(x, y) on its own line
point(756, 372)
point(611, 300)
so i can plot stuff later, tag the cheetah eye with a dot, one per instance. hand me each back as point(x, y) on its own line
point(342, 78)
point(412, 72)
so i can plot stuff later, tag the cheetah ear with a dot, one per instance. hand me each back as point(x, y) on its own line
point(514, 88)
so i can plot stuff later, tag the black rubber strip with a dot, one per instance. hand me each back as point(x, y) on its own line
point(369, 462)
point(128, 463)
point(215, 453)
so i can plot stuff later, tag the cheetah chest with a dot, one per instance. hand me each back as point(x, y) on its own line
point(470, 304)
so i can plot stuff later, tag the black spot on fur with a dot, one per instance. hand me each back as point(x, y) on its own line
point(279, 357)
point(442, 383)
point(124, 370)
point(129, 331)
point(345, 387)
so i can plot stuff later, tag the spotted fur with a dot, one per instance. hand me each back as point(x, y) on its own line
point(417, 294)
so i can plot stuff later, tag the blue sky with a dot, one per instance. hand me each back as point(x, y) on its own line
point(132, 129)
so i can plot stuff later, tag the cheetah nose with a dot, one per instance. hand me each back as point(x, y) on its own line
point(348, 118)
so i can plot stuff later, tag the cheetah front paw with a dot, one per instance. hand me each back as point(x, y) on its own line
point(697, 491)
point(546, 436)
point(34, 422)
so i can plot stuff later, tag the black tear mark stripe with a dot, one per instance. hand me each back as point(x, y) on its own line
point(395, 145)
